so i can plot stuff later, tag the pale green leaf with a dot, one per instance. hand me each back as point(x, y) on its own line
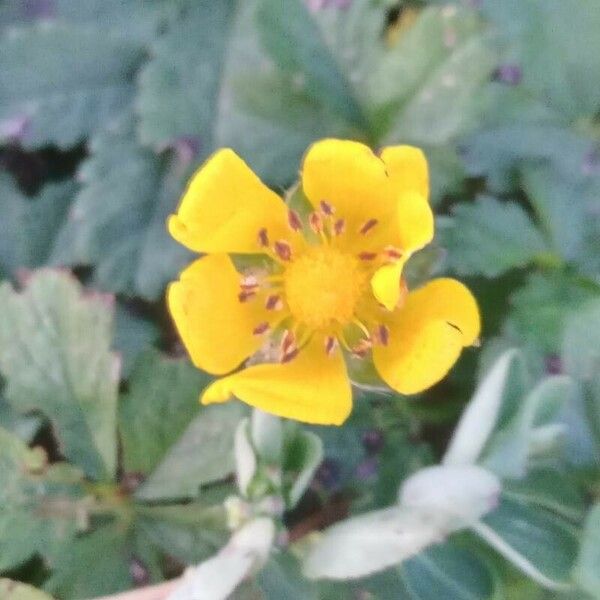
point(40, 505)
point(203, 454)
point(586, 568)
point(55, 355)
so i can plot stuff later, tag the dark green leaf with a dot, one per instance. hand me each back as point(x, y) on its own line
point(51, 94)
point(161, 401)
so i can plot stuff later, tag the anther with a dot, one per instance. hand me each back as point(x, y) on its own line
point(263, 238)
point(393, 253)
point(367, 226)
point(294, 220)
point(383, 335)
point(249, 283)
point(261, 328)
point(331, 344)
point(287, 341)
point(245, 295)
point(274, 303)
point(289, 356)
point(362, 348)
point(326, 208)
point(339, 226)
point(283, 250)
point(367, 255)
point(316, 222)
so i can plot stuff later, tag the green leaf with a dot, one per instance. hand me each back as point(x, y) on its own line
point(189, 532)
point(550, 489)
point(295, 43)
point(179, 87)
point(541, 307)
point(539, 543)
point(40, 505)
point(281, 578)
point(100, 563)
point(161, 401)
point(515, 445)
point(117, 221)
point(23, 426)
point(133, 335)
point(557, 66)
point(303, 455)
point(72, 93)
point(14, 590)
point(586, 572)
point(202, 455)
point(490, 237)
point(29, 225)
point(581, 342)
point(428, 83)
point(55, 355)
point(447, 571)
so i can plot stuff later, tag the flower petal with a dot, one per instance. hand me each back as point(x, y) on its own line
point(350, 177)
point(385, 283)
point(313, 387)
point(226, 206)
point(216, 328)
point(426, 336)
point(407, 168)
point(408, 172)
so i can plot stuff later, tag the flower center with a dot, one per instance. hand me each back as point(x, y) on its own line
point(323, 287)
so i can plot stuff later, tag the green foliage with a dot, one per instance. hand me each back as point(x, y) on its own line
point(111, 473)
point(72, 376)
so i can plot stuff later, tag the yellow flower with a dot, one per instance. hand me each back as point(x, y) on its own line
point(329, 287)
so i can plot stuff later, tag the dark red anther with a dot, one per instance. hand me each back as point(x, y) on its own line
point(263, 238)
point(245, 295)
point(294, 220)
point(393, 253)
point(367, 226)
point(283, 250)
point(316, 222)
point(367, 255)
point(274, 303)
point(330, 345)
point(261, 328)
point(339, 226)
point(286, 358)
point(383, 333)
point(326, 208)
point(288, 341)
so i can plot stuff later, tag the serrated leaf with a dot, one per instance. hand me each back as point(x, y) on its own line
point(490, 237)
point(202, 455)
point(40, 505)
point(117, 221)
point(55, 355)
point(161, 401)
point(539, 543)
point(179, 87)
point(29, 225)
point(15, 590)
point(72, 93)
point(447, 571)
point(586, 568)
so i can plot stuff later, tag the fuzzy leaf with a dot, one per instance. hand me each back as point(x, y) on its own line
point(55, 355)
point(14, 590)
point(72, 92)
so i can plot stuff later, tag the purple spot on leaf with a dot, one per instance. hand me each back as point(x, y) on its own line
point(591, 162)
point(553, 364)
point(509, 74)
point(367, 468)
point(39, 9)
point(372, 440)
